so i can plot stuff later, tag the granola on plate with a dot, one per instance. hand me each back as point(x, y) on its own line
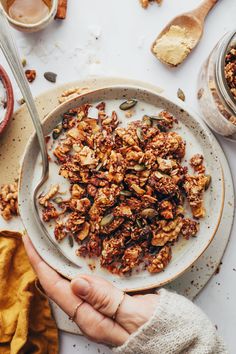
point(128, 188)
point(9, 200)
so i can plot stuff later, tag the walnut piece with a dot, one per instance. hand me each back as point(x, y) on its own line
point(30, 75)
point(196, 162)
point(146, 3)
point(167, 231)
point(9, 200)
point(160, 261)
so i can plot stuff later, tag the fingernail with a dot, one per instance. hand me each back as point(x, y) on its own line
point(81, 286)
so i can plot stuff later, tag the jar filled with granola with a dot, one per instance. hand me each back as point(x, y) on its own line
point(217, 87)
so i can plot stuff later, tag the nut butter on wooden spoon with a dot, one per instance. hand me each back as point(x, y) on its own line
point(28, 11)
point(181, 35)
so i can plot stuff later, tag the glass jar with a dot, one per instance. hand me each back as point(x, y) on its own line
point(216, 101)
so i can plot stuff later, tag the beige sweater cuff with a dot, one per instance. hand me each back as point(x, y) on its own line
point(177, 326)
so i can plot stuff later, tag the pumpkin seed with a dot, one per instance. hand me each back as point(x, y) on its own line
point(58, 200)
point(148, 213)
point(140, 134)
point(208, 182)
point(107, 219)
point(158, 118)
point(24, 62)
point(99, 166)
point(139, 168)
point(71, 240)
point(126, 193)
point(21, 101)
point(57, 131)
point(147, 120)
point(158, 174)
point(138, 222)
point(181, 95)
point(128, 104)
point(50, 76)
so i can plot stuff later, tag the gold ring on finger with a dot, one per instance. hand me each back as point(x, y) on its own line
point(73, 317)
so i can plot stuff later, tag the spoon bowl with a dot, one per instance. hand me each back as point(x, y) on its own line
point(192, 25)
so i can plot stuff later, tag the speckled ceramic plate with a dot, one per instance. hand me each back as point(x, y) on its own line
point(199, 140)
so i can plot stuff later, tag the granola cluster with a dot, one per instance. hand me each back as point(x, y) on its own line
point(230, 70)
point(127, 189)
point(146, 3)
point(9, 200)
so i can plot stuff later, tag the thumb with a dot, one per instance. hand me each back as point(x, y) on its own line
point(98, 292)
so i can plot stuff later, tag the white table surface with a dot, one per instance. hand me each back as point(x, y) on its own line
point(112, 38)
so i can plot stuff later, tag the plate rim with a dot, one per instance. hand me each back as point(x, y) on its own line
point(182, 105)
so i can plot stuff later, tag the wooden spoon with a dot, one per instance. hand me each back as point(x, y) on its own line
point(192, 22)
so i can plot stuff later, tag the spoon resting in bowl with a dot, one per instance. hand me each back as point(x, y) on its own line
point(8, 46)
point(181, 35)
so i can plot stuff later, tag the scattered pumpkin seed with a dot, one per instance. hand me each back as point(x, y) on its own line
point(147, 120)
point(71, 240)
point(208, 182)
point(50, 76)
point(21, 101)
point(24, 62)
point(107, 219)
point(126, 193)
point(57, 131)
point(128, 104)
point(139, 168)
point(200, 93)
point(180, 94)
point(148, 213)
point(140, 134)
point(58, 200)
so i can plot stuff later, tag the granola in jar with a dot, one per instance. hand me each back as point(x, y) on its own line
point(216, 87)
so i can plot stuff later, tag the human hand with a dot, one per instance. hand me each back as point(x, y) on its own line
point(93, 302)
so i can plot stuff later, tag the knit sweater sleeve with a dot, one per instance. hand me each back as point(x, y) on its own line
point(176, 327)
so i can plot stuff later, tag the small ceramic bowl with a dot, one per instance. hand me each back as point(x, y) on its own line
point(35, 27)
point(10, 99)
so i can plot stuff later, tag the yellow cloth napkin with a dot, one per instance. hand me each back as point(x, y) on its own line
point(26, 323)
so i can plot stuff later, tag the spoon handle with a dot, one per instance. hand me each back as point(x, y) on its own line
point(9, 49)
point(205, 7)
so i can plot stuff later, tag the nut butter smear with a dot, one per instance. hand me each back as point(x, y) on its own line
point(174, 46)
point(28, 11)
point(181, 35)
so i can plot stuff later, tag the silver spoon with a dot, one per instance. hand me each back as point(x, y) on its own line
point(10, 51)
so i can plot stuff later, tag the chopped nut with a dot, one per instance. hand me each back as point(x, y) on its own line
point(30, 75)
point(167, 231)
point(84, 232)
point(43, 200)
point(9, 200)
point(159, 262)
point(189, 228)
point(146, 3)
point(197, 163)
point(181, 95)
